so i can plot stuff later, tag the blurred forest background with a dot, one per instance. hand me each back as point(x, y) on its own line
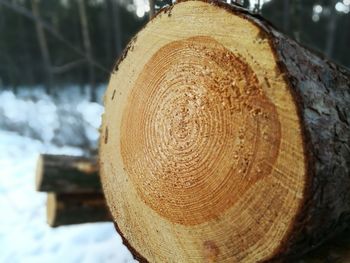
point(76, 42)
point(55, 61)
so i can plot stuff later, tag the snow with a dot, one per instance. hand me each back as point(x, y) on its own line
point(67, 120)
point(30, 123)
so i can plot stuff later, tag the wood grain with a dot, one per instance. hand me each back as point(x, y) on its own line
point(209, 151)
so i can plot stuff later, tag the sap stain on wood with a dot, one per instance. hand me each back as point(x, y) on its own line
point(106, 135)
point(113, 95)
point(210, 251)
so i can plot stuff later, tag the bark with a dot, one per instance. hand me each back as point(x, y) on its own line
point(68, 209)
point(67, 174)
point(334, 251)
point(322, 90)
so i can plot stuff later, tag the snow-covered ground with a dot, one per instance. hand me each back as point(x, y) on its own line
point(33, 123)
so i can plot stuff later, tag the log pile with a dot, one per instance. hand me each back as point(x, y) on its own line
point(224, 141)
point(78, 207)
point(74, 190)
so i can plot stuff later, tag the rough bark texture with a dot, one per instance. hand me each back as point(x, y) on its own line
point(335, 250)
point(321, 89)
point(68, 209)
point(67, 174)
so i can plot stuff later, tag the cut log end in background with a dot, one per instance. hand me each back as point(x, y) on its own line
point(74, 190)
point(78, 208)
point(68, 209)
point(66, 174)
point(224, 140)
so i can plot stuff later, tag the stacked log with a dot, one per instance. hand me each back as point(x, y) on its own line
point(67, 174)
point(225, 141)
point(74, 190)
point(78, 207)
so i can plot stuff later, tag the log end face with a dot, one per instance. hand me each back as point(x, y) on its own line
point(201, 138)
point(202, 124)
point(39, 173)
point(51, 209)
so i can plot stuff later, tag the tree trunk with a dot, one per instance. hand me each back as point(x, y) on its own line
point(286, 16)
point(107, 26)
point(68, 209)
point(224, 141)
point(151, 8)
point(78, 208)
point(88, 48)
point(296, 21)
point(67, 174)
point(331, 29)
point(117, 31)
point(43, 46)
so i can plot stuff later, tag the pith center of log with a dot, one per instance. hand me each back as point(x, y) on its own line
point(197, 131)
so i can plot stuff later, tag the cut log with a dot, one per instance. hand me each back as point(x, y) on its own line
point(80, 208)
point(68, 209)
point(67, 174)
point(224, 141)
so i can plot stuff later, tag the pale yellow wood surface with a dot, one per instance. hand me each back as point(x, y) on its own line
point(192, 173)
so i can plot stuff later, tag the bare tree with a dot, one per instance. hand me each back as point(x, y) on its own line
point(43, 46)
point(151, 8)
point(117, 32)
point(107, 27)
point(286, 14)
point(49, 28)
point(332, 26)
point(296, 23)
point(88, 48)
